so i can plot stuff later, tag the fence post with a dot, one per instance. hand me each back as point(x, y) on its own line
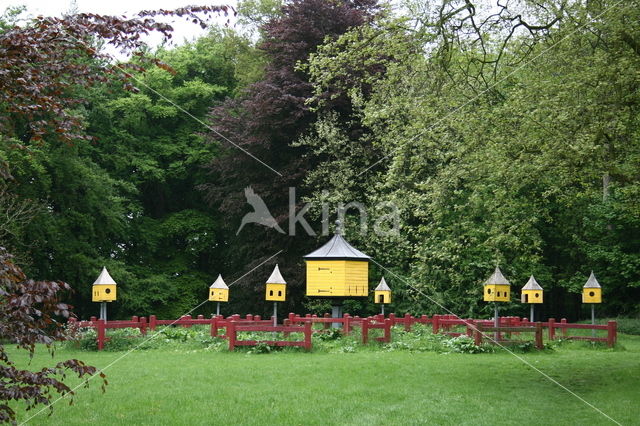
point(477, 336)
point(539, 343)
point(231, 334)
point(200, 317)
point(407, 322)
point(612, 333)
point(365, 331)
point(387, 331)
point(435, 323)
point(143, 326)
point(470, 327)
point(292, 318)
point(326, 325)
point(101, 334)
point(152, 323)
point(307, 336)
point(214, 326)
point(552, 331)
point(347, 325)
point(564, 329)
point(257, 318)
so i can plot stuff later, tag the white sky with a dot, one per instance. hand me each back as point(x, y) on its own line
point(182, 28)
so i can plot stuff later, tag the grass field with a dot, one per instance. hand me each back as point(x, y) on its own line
point(368, 387)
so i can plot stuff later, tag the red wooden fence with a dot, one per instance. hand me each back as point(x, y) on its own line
point(235, 327)
point(444, 324)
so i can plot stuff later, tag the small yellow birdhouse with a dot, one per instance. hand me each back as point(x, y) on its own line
point(592, 292)
point(337, 269)
point(497, 288)
point(276, 287)
point(382, 293)
point(219, 291)
point(104, 288)
point(532, 292)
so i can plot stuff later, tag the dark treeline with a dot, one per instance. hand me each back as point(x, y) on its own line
point(500, 135)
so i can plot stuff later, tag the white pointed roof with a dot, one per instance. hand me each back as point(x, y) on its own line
point(497, 278)
point(337, 248)
point(276, 277)
point(592, 282)
point(104, 278)
point(219, 283)
point(532, 284)
point(382, 286)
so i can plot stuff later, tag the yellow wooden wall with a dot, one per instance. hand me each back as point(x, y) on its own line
point(337, 278)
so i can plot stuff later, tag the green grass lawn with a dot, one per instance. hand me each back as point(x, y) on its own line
point(368, 387)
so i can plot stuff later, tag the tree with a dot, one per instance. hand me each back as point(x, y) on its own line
point(29, 315)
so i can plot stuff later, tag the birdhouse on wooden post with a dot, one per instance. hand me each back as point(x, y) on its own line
point(497, 288)
point(276, 286)
point(104, 288)
point(592, 292)
point(531, 292)
point(382, 293)
point(337, 269)
point(219, 291)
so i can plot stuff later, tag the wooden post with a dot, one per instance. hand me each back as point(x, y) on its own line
point(435, 323)
point(552, 331)
point(231, 335)
point(539, 343)
point(612, 333)
point(593, 319)
point(326, 325)
point(214, 326)
point(387, 331)
point(292, 318)
point(143, 326)
point(307, 336)
point(101, 333)
point(257, 318)
point(564, 329)
point(477, 336)
point(407, 322)
point(347, 325)
point(152, 323)
point(365, 331)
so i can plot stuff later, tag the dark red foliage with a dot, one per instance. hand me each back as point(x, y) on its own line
point(42, 63)
point(29, 312)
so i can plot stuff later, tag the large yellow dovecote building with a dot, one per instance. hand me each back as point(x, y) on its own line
point(592, 292)
point(497, 288)
point(276, 286)
point(337, 269)
point(531, 292)
point(104, 288)
point(219, 291)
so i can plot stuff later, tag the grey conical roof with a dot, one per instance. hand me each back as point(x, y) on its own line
point(497, 278)
point(532, 284)
point(276, 277)
point(337, 248)
point(382, 286)
point(104, 278)
point(219, 283)
point(592, 282)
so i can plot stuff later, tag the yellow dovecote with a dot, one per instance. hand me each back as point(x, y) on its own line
point(276, 290)
point(104, 288)
point(337, 269)
point(497, 288)
point(531, 292)
point(219, 291)
point(382, 293)
point(592, 292)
